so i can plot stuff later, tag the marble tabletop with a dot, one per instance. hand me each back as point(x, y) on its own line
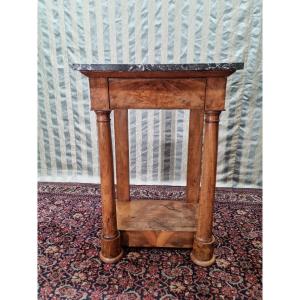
point(157, 67)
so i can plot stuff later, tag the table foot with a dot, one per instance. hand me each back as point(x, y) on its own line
point(203, 253)
point(201, 263)
point(111, 251)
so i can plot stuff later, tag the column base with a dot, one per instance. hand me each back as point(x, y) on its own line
point(111, 251)
point(201, 263)
point(203, 253)
point(111, 260)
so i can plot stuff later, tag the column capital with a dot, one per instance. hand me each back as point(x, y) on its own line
point(212, 116)
point(103, 115)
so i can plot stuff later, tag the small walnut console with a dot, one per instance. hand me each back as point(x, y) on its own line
point(158, 223)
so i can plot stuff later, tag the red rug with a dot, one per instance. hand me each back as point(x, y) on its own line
point(68, 246)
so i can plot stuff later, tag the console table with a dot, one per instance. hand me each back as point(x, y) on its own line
point(201, 88)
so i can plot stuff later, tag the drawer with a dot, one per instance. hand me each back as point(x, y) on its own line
point(157, 93)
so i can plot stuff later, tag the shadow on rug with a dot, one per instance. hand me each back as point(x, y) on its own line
point(69, 267)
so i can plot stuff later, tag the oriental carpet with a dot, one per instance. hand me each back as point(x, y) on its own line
point(69, 226)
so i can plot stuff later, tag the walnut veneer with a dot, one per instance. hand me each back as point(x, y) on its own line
point(158, 223)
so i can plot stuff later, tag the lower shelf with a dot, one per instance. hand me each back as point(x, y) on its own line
point(156, 223)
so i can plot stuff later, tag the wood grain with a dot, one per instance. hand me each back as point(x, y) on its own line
point(194, 155)
point(215, 93)
point(202, 254)
point(208, 182)
point(159, 223)
point(157, 93)
point(122, 153)
point(156, 223)
point(99, 93)
point(161, 215)
point(110, 241)
point(152, 238)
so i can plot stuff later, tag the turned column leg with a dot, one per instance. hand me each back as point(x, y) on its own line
point(203, 249)
point(122, 154)
point(194, 156)
point(111, 250)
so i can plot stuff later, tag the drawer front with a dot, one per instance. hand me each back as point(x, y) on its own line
point(157, 93)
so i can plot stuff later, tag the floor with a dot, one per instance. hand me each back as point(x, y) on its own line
point(69, 224)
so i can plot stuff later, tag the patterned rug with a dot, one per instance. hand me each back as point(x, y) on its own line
point(68, 246)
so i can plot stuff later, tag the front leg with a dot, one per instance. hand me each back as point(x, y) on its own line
point(111, 250)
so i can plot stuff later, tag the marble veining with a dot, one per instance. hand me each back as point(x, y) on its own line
point(157, 67)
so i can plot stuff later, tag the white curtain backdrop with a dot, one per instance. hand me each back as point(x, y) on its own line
point(128, 31)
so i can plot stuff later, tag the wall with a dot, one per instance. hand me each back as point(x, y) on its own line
point(118, 31)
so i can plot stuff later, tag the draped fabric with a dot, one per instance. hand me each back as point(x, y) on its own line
point(128, 31)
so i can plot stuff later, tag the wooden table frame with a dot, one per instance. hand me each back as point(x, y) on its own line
point(158, 223)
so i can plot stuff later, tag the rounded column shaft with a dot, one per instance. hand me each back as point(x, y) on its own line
point(202, 253)
point(110, 242)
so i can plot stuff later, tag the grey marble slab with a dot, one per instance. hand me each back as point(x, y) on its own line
point(157, 67)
